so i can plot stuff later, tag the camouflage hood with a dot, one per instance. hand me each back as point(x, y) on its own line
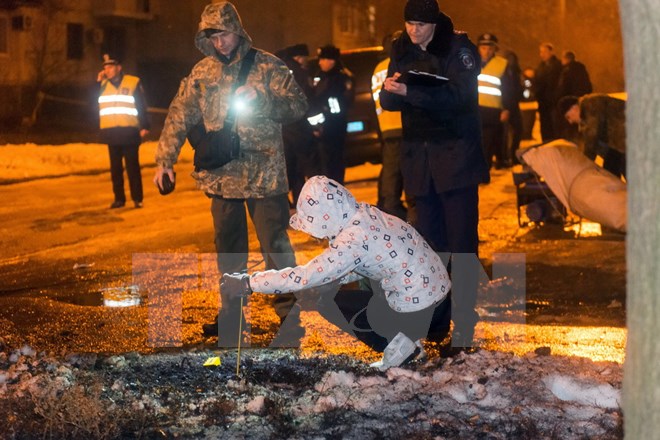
point(324, 208)
point(221, 16)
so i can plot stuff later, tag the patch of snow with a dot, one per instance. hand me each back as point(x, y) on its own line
point(570, 389)
point(257, 405)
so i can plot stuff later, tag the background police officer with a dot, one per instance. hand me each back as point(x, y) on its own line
point(496, 100)
point(333, 95)
point(124, 122)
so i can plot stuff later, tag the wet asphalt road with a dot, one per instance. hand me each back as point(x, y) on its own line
point(60, 246)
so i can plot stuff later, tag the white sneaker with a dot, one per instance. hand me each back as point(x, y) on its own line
point(397, 352)
point(421, 355)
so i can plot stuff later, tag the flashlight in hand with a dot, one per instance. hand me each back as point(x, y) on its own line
point(240, 105)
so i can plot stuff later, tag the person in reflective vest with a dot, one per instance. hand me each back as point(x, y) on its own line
point(390, 179)
point(124, 123)
point(496, 100)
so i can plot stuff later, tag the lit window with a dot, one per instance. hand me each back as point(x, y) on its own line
point(347, 18)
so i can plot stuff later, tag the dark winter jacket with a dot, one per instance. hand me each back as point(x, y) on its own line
point(546, 81)
point(602, 124)
point(441, 124)
point(574, 80)
point(298, 131)
point(333, 96)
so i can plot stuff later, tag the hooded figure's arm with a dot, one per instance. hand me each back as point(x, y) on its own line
point(283, 100)
point(335, 263)
point(183, 114)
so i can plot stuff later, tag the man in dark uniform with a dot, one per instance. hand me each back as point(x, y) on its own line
point(124, 123)
point(574, 78)
point(546, 81)
point(299, 152)
point(442, 159)
point(333, 95)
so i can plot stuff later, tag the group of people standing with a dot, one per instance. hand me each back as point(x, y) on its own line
point(554, 79)
point(267, 109)
point(502, 85)
point(287, 113)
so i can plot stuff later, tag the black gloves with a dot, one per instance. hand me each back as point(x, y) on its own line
point(236, 284)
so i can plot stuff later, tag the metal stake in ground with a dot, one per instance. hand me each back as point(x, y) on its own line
point(240, 335)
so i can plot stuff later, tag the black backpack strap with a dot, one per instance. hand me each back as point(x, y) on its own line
point(246, 65)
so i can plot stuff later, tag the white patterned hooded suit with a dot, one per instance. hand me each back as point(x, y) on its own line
point(364, 242)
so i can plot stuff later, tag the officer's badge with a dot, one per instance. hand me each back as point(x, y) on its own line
point(467, 59)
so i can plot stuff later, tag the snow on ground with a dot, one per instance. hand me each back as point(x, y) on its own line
point(62, 160)
point(490, 395)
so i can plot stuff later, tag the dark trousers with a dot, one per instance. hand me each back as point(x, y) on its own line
point(547, 119)
point(128, 154)
point(365, 314)
point(615, 162)
point(390, 182)
point(270, 216)
point(300, 157)
point(331, 156)
point(492, 130)
point(449, 222)
point(514, 134)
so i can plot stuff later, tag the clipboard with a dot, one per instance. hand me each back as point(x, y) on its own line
point(418, 78)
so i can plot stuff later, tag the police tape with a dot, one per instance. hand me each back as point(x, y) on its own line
point(49, 97)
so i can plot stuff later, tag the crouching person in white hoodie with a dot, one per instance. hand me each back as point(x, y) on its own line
point(406, 282)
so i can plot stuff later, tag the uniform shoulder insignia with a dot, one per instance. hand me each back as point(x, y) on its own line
point(466, 59)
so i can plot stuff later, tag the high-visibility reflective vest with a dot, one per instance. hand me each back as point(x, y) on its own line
point(389, 122)
point(490, 82)
point(117, 104)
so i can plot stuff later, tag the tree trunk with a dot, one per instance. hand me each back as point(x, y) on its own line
point(641, 385)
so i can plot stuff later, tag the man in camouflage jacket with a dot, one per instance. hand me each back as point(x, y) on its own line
point(257, 178)
point(601, 120)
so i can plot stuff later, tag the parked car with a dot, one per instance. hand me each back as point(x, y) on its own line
point(363, 140)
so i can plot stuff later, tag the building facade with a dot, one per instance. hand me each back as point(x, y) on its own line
point(51, 49)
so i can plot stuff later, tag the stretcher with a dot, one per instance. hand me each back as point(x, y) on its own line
point(578, 184)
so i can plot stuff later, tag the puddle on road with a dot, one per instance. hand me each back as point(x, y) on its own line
point(84, 299)
point(109, 297)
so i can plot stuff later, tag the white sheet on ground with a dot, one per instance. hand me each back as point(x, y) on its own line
point(580, 185)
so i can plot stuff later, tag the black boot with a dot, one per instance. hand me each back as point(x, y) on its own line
point(291, 331)
point(211, 328)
